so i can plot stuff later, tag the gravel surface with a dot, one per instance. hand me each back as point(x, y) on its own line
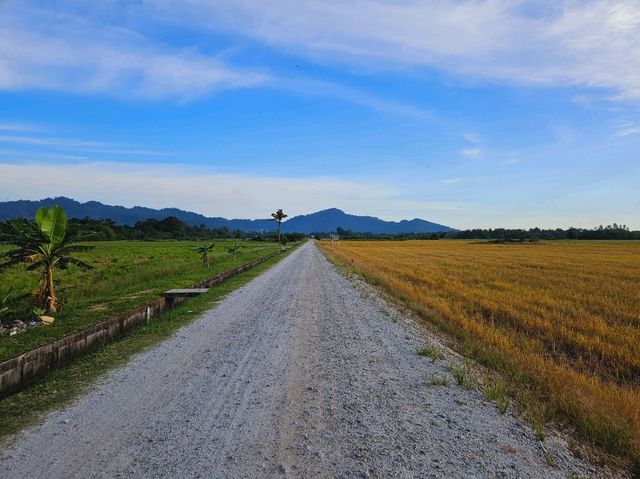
point(300, 373)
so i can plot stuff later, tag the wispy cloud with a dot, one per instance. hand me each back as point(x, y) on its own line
point(471, 137)
point(463, 180)
point(18, 127)
point(471, 153)
point(627, 129)
point(454, 181)
point(592, 43)
point(75, 144)
point(565, 43)
point(47, 50)
point(474, 151)
point(313, 87)
point(511, 161)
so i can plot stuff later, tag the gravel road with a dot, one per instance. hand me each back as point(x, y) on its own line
point(300, 373)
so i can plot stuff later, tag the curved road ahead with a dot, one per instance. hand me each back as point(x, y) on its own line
point(300, 373)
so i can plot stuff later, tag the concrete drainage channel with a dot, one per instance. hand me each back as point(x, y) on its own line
point(20, 371)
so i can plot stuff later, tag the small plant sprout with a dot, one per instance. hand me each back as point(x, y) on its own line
point(204, 253)
point(497, 392)
point(464, 377)
point(438, 380)
point(429, 351)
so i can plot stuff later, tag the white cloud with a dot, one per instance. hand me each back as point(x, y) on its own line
point(511, 161)
point(351, 95)
point(454, 181)
point(75, 144)
point(207, 192)
point(626, 129)
point(471, 137)
point(592, 43)
point(44, 50)
point(466, 180)
point(471, 153)
point(17, 127)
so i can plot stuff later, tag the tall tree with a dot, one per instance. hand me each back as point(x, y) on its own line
point(278, 216)
point(44, 245)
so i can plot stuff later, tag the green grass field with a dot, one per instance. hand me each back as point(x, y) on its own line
point(63, 385)
point(125, 274)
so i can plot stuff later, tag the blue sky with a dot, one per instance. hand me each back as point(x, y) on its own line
point(468, 113)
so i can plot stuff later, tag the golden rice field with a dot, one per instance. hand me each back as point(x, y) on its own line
point(559, 320)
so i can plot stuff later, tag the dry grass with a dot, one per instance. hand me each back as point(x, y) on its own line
point(561, 320)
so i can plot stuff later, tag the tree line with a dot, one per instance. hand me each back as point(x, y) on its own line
point(609, 232)
point(170, 228)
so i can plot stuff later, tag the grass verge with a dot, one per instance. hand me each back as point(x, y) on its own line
point(429, 351)
point(63, 385)
point(125, 275)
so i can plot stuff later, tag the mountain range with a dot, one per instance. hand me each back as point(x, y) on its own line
point(321, 221)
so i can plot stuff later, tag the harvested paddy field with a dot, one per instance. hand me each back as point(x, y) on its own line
point(560, 321)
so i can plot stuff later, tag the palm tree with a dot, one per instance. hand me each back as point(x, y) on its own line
point(233, 251)
point(45, 246)
point(204, 251)
point(278, 216)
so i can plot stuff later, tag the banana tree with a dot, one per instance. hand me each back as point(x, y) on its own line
point(234, 250)
point(204, 252)
point(4, 301)
point(278, 216)
point(45, 246)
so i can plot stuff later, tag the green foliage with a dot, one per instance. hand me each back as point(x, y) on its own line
point(45, 247)
point(125, 275)
point(497, 392)
point(53, 223)
point(503, 235)
point(438, 380)
point(431, 352)
point(4, 302)
point(63, 385)
point(204, 252)
point(278, 216)
point(234, 250)
point(170, 228)
point(464, 377)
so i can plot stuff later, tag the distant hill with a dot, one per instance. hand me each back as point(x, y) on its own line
point(329, 220)
point(321, 221)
